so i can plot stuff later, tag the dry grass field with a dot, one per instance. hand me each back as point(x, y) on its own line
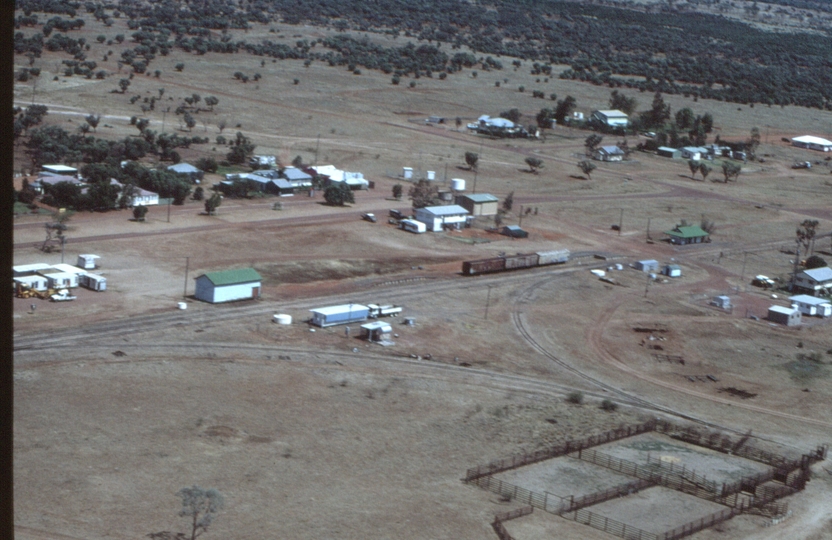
point(317, 435)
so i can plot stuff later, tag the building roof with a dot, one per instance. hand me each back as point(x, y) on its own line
point(811, 300)
point(782, 309)
point(819, 274)
point(667, 149)
point(292, 173)
point(36, 267)
point(613, 113)
point(496, 122)
point(693, 149)
point(378, 325)
point(689, 231)
point(811, 139)
point(59, 169)
point(673, 267)
point(183, 168)
point(481, 198)
point(648, 261)
point(68, 268)
point(611, 150)
point(449, 210)
point(52, 180)
point(232, 277)
point(282, 183)
point(334, 310)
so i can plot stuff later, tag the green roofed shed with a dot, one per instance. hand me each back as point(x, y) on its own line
point(228, 285)
point(688, 234)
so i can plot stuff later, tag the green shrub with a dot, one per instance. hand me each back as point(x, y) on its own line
point(609, 405)
point(575, 397)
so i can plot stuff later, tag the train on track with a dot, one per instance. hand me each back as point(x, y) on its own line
point(514, 262)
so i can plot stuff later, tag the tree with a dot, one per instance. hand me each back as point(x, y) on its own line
point(622, 103)
point(806, 232)
point(508, 202)
point(694, 166)
point(684, 119)
point(212, 203)
point(423, 194)
point(814, 262)
point(190, 121)
point(338, 194)
point(512, 114)
point(586, 167)
point(297, 161)
point(139, 212)
point(211, 101)
point(398, 191)
point(592, 142)
point(731, 170)
point(124, 84)
point(705, 170)
point(199, 194)
point(564, 109)
point(471, 158)
point(658, 114)
point(544, 118)
point(754, 141)
point(92, 120)
point(534, 163)
point(241, 150)
point(202, 506)
point(179, 67)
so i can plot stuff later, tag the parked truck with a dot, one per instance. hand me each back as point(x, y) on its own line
point(62, 296)
point(377, 311)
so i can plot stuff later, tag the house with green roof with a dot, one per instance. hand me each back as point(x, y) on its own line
point(228, 285)
point(688, 234)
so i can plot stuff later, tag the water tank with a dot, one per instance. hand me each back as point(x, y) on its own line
point(458, 184)
point(182, 305)
point(431, 175)
point(282, 318)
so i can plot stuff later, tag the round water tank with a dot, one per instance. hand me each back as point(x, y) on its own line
point(182, 305)
point(282, 318)
point(431, 175)
point(458, 184)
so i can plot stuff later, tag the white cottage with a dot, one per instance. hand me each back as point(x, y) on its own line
point(436, 218)
point(228, 285)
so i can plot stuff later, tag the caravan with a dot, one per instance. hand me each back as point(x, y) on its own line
point(411, 225)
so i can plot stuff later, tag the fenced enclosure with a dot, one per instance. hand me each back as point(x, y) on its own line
point(759, 492)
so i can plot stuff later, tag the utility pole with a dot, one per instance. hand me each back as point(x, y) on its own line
point(169, 201)
point(187, 262)
point(648, 229)
point(620, 222)
point(796, 264)
point(487, 302)
point(317, 147)
point(742, 273)
point(521, 216)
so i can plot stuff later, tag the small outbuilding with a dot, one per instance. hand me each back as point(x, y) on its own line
point(688, 234)
point(672, 270)
point(188, 171)
point(61, 280)
point(612, 118)
point(647, 265)
point(35, 282)
point(93, 282)
point(479, 204)
point(694, 152)
point(343, 314)
point(812, 305)
point(788, 316)
point(376, 331)
point(437, 218)
point(722, 302)
point(29, 269)
point(87, 261)
point(666, 151)
point(608, 153)
point(63, 170)
point(228, 285)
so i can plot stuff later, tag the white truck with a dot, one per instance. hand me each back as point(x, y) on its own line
point(62, 296)
point(377, 311)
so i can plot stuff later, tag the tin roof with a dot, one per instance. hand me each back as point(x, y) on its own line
point(811, 139)
point(449, 210)
point(820, 274)
point(333, 310)
point(811, 300)
point(782, 309)
point(183, 168)
point(690, 231)
point(481, 197)
point(232, 277)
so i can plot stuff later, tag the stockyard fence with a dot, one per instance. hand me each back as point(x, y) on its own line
point(498, 526)
point(749, 493)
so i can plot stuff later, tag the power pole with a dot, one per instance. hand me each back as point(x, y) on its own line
point(487, 301)
point(796, 264)
point(187, 262)
point(648, 229)
point(742, 273)
point(169, 201)
point(317, 147)
point(620, 222)
point(521, 216)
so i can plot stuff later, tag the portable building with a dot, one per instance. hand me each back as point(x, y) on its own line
point(694, 152)
point(437, 218)
point(375, 331)
point(228, 285)
point(407, 173)
point(87, 261)
point(665, 151)
point(812, 143)
point(94, 282)
point(553, 256)
point(29, 269)
point(343, 314)
point(722, 302)
point(61, 280)
point(608, 153)
point(35, 282)
point(788, 316)
point(672, 270)
point(68, 268)
point(514, 231)
point(647, 265)
point(411, 225)
point(479, 204)
point(611, 118)
point(812, 305)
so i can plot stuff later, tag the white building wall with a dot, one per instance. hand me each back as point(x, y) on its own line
point(208, 292)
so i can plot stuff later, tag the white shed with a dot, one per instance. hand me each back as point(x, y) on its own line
point(37, 283)
point(228, 285)
point(672, 270)
point(87, 261)
point(61, 280)
point(375, 331)
point(437, 218)
point(812, 305)
point(94, 282)
point(647, 265)
point(788, 316)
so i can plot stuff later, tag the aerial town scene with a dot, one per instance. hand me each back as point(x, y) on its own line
point(429, 269)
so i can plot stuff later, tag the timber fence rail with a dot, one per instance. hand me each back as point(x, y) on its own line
point(498, 526)
point(683, 472)
point(558, 450)
point(548, 502)
point(576, 503)
point(697, 525)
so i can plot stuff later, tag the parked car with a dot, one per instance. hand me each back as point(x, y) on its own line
point(369, 217)
point(396, 214)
